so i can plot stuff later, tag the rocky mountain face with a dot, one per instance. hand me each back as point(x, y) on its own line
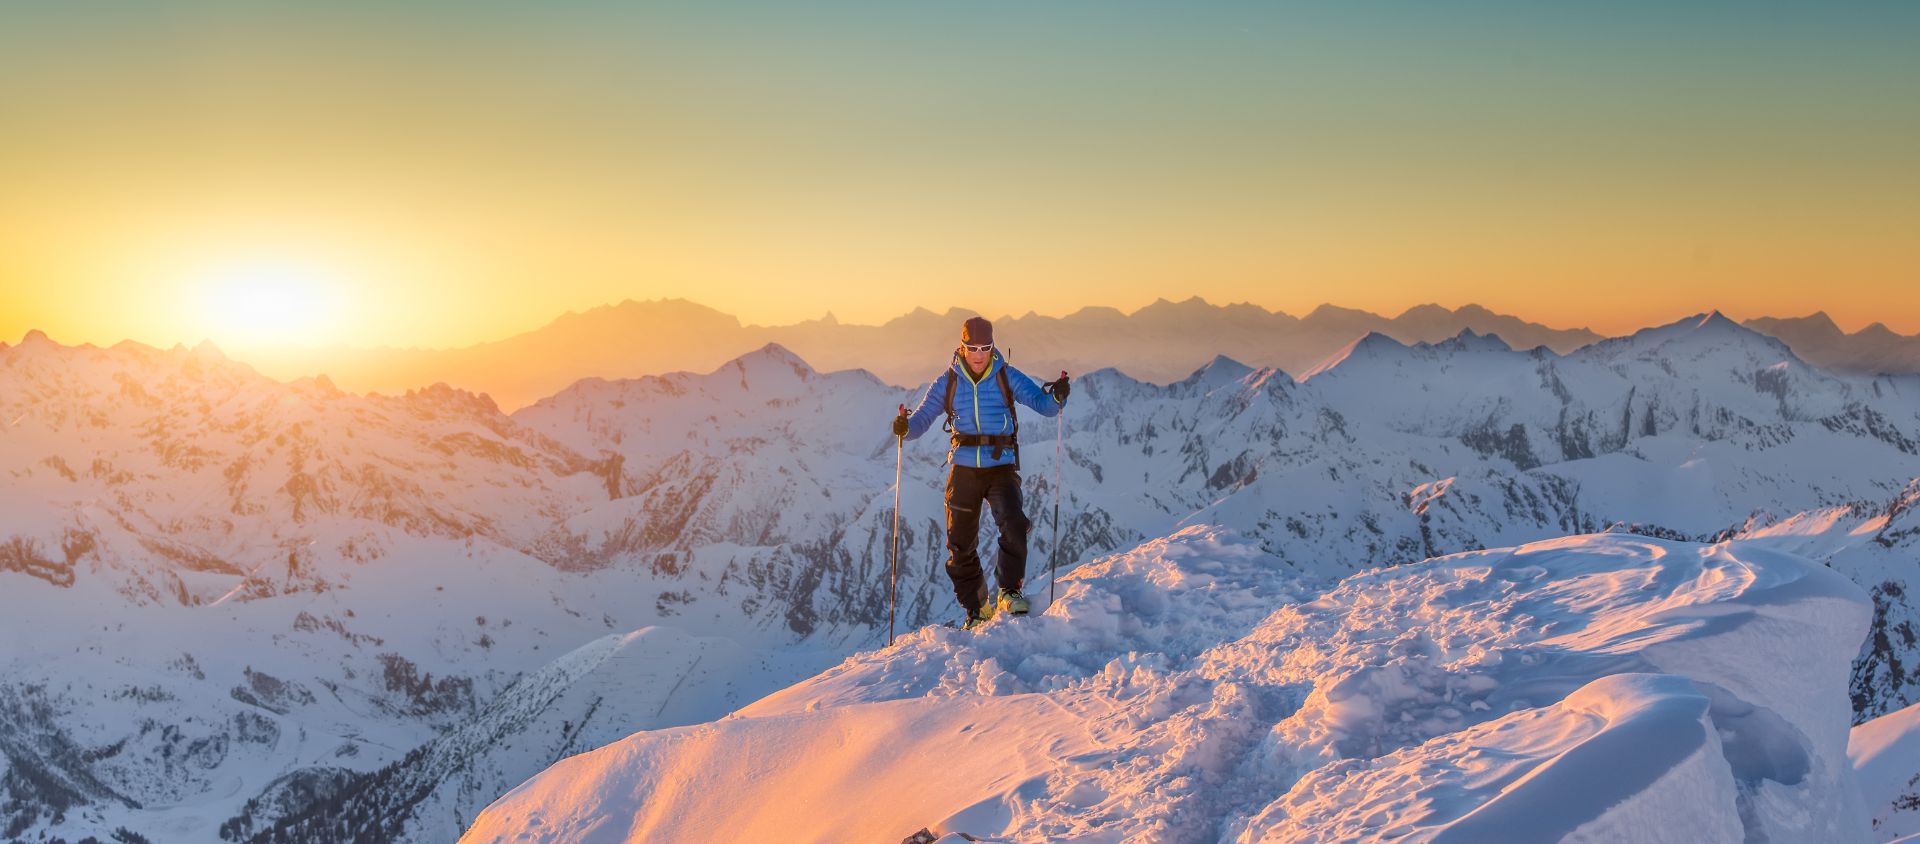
point(243, 607)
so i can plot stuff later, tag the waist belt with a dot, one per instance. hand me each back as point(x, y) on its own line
point(1000, 440)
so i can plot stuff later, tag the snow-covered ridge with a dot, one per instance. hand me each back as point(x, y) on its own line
point(1160, 343)
point(1601, 687)
point(401, 561)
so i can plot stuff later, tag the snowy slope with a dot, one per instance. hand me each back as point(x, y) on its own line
point(1602, 687)
point(230, 601)
point(1886, 759)
point(406, 561)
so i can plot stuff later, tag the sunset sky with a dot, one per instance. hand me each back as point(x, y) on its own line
point(438, 174)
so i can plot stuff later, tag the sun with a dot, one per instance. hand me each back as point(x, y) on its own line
point(269, 303)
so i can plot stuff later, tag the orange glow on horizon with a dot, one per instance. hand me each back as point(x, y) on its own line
point(460, 174)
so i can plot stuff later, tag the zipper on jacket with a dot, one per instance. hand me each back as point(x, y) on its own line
point(976, 411)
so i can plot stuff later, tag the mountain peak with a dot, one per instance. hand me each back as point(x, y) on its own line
point(1712, 323)
point(1330, 312)
point(775, 352)
point(323, 385)
point(1469, 340)
point(1163, 305)
point(1220, 370)
point(1369, 346)
point(36, 339)
point(769, 361)
point(1714, 319)
point(1431, 310)
point(1816, 326)
point(643, 317)
point(1708, 330)
point(444, 395)
point(1374, 341)
point(1100, 312)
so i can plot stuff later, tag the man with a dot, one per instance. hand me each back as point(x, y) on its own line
point(977, 394)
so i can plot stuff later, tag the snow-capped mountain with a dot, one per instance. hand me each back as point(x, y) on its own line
point(1595, 688)
point(198, 558)
point(233, 604)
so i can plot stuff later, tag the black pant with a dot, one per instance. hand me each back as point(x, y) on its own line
point(967, 488)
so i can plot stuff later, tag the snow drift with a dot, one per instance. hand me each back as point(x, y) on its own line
point(1598, 687)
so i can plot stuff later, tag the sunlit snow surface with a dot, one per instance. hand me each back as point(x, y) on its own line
point(1604, 687)
point(1886, 757)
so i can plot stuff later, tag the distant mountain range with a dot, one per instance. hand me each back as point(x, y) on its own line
point(1816, 340)
point(256, 610)
point(1159, 343)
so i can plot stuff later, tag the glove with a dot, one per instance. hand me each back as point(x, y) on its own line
point(900, 424)
point(1060, 388)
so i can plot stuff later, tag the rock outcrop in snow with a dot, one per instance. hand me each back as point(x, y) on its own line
point(1603, 687)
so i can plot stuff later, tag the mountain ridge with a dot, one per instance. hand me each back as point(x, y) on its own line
point(350, 563)
point(1162, 342)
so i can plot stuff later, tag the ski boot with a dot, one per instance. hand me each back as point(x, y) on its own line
point(1013, 603)
point(983, 600)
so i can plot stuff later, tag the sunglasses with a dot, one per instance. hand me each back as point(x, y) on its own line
point(973, 349)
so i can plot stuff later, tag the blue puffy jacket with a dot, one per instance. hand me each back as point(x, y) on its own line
point(978, 408)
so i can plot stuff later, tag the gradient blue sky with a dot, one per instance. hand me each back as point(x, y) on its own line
point(443, 173)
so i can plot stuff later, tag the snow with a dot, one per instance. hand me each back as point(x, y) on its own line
point(1886, 757)
point(1599, 687)
point(742, 515)
point(1628, 757)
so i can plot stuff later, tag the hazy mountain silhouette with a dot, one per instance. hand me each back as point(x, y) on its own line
point(1817, 340)
point(1162, 342)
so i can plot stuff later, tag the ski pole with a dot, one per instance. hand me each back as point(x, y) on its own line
point(1053, 562)
point(893, 558)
